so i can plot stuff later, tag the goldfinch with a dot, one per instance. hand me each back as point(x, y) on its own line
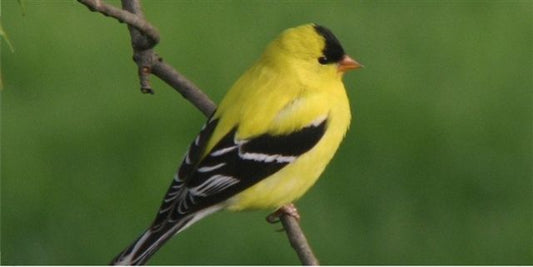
point(266, 144)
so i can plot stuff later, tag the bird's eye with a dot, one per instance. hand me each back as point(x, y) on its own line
point(323, 60)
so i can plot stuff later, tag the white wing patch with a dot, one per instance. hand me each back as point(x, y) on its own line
point(215, 183)
point(223, 151)
point(319, 120)
point(266, 158)
point(187, 159)
point(211, 168)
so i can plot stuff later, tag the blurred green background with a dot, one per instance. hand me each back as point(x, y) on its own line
point(436, 169)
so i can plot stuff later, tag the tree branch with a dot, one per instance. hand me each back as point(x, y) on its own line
point(143, 39)
point(126, 15)
point(298, 240)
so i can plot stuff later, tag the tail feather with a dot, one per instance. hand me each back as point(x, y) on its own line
point(140, 251)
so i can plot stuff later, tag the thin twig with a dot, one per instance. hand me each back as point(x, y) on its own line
point(129, 18)
point(143, 38)
point(186, 88)
point(298, 240)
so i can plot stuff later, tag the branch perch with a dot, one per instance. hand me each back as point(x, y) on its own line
point(298, 240)
point(144, 37)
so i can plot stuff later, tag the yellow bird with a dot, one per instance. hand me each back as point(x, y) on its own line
point(266, 144)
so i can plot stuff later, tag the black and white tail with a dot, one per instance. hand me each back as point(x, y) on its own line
point(140, 251)
point(180, 208)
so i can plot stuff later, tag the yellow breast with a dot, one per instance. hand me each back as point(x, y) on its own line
point(292, 181)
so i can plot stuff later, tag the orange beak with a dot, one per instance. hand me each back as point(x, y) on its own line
point(347, 63)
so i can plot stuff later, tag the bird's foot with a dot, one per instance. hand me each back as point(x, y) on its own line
point(288, 209)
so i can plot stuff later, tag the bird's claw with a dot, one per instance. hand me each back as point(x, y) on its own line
point(288, 209)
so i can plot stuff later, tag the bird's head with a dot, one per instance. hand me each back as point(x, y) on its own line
point(313, 47)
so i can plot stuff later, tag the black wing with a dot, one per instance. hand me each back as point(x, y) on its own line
point(231, 167)
point(187, 167)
